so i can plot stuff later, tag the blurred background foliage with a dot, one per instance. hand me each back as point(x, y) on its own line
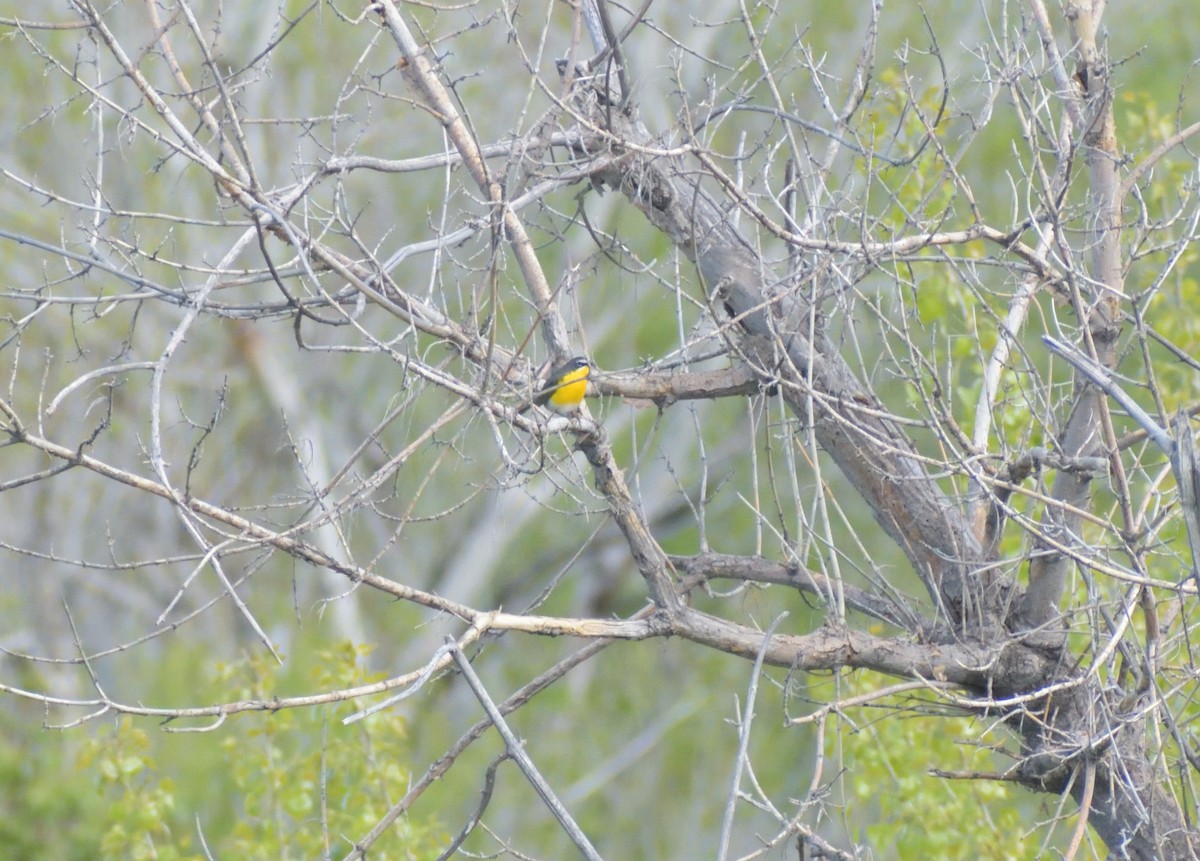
point(642, 727)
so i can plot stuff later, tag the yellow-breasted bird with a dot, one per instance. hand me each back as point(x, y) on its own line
point(564, 388)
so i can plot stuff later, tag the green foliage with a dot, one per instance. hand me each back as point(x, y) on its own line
point(43, 812)
point(912, 813)
point(1171, 313)
point(303, 784)
point(140, 816)
point(1167, 301)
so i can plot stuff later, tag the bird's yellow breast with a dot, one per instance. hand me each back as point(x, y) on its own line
point(570, 391)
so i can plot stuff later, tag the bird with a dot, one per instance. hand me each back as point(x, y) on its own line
point(564, 388)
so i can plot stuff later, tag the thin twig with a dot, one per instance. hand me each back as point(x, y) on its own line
point(517, 751)
point(744, 742)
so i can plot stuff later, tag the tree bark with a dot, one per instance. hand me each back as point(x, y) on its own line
point(782, 336)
